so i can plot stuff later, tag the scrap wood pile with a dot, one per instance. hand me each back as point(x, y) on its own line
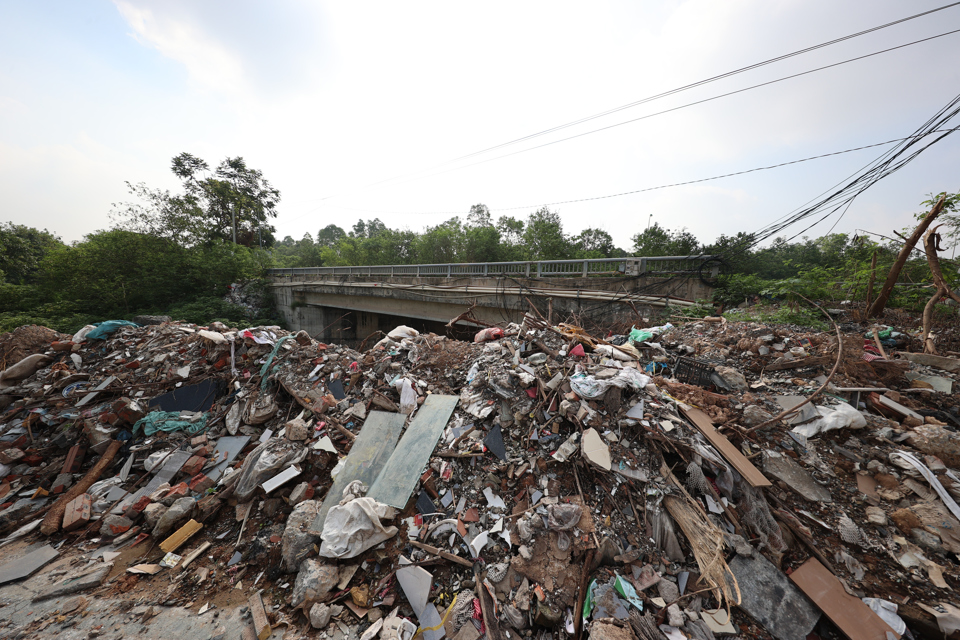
point(540, 481)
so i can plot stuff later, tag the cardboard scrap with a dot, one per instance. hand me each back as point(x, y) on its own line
point(855, 619)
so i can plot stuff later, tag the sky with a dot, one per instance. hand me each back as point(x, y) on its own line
point(355, 109)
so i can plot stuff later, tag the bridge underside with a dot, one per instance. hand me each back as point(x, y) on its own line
point(350, 308)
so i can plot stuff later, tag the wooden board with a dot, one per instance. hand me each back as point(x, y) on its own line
point(739, 461)
point(399, 476)
point(173, 543)
point(855, 619)
point(368, 454)
point(261, 624)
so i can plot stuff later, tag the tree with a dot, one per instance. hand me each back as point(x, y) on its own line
point(595, 243)
point(330, 235)
point(544, 236)
point(657, 241)
point(233, 197)
point(482, 242)
point(21, 250)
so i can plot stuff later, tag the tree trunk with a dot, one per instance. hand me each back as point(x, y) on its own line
point(943, 289)
point(877, 307)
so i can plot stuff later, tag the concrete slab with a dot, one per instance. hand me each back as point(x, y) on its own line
point(794, 476)
point(27, 565)
point(772, 600)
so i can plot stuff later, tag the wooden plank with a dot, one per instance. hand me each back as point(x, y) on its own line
point(261, 624)
point(399, 476)
point(368, 454)
point(703, 423)
point(182, 535)
point(855, 619)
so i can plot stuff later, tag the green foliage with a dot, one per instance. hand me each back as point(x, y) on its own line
point(205, 211)
point(208, 309)
point(781, 314)
point(734, 289)
point(657, 241)
point(21, 250)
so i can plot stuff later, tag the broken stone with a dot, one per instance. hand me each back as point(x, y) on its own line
point(297, 543)
point(175, 515)
point(754, 415)
point(320, 616)
point(115, 525)
point(792, 474)
point(731, 378)
point(316, 576)
point(769, 597)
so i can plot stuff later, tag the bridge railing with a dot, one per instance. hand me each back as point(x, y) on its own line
point(632, 266)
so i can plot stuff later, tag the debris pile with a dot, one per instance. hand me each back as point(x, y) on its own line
point(705, 480)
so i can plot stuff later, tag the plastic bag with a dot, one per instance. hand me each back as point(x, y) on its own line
point(589, 387)
point(643, 335)
point(563, 517)
point(402, 332)
point(81, 335)
point(408, 395)
point(353, 527)
point(831, 418)
point(265, 461)
point(490, 333)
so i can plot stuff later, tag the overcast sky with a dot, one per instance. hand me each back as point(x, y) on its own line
point(329, 98)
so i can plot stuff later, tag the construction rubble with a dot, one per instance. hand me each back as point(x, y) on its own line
point(654, 482)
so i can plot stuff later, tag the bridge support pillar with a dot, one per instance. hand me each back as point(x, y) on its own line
point(367, 323)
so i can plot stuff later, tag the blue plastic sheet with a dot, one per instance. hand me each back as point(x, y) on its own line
point(103, 329)
point(169, 421)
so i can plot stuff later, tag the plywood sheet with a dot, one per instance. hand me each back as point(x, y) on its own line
point(739, 461)
point(855, 619)
point(400, 474)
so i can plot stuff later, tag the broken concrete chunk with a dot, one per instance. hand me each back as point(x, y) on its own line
point(177, 513)
point(772, 600)
point(297, 542)
point(731, 378)
point(315, 576)
point(794, 476)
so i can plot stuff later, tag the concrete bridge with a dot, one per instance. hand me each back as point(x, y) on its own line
point(346, 304)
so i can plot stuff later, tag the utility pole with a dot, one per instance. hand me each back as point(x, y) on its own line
point(233, 216)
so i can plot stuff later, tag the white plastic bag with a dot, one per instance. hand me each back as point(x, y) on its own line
point(402, 332)
point(408, 396)
point(831, 418)
point(352, 528)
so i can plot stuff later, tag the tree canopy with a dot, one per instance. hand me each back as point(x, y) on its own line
point(210, 206)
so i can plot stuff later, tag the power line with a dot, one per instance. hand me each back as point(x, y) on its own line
point(684, 106)
point(670, 92)
point(646, 189)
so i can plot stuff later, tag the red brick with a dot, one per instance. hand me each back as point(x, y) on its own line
point(200, 483)
point(133, 365)
point(195, 442)
point(78, 513)
point(193, 465)
point(180, 491)
point(74, 459)
point(32, 459)
point(134, 510)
